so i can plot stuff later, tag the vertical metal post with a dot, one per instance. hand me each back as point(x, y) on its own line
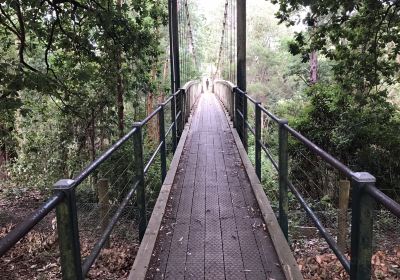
point(163, 150)
point(139, 172)
point(181, 42)
point(258, 139)
point(68, 234)
point(231, 43)
point(241, 64)
point(177, 110)
point(182, 116)
point(241, 44)
point(232, 106)
point(171, 48)
point(283, 177)
point(187, 104)
point(184, 107)
point(234, 96)
point(361, 227)
point(244, 131)
point(173, 118)
point(175, 44)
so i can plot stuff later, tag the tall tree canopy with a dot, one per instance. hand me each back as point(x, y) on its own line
point(351, 116)
point(68, 68)
point(363, 37)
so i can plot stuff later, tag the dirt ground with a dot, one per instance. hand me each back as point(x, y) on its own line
point(36, 256)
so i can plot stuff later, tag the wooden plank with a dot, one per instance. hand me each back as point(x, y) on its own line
point(143, 257)
point(287, 261)
point(211, 217)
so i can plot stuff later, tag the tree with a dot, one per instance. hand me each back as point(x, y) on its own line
point(352, 117)
point(361, 37)
point(62, 86)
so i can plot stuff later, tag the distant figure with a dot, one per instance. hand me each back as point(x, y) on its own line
point(207, 83)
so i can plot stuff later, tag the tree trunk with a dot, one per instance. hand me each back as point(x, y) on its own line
point(314, 67)
point(120, 98)
point(314, 61)
point(93, 147)
point(165, 73)
point(153, 123)
point(120, 86)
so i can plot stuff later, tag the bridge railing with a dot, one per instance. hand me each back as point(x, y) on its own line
point(364, 192)
point(63, 199)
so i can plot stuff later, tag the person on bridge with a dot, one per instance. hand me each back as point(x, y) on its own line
point(207, 83)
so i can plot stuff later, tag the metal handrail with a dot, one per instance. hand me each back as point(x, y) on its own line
point(267, 152)
point(363, 183)
point(63, 200)
point(329, 239)
point(320, 152)
point(379, 196)
point(106, 234)
point(103, 157)
point(8, 241)
point(153, 156)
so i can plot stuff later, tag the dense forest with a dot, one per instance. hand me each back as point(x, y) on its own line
point(353, 109)
point(76, 74)
point(332, 69)
point(73, 78)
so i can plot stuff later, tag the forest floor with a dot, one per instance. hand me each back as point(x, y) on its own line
point(36, 256)
point(317, 261)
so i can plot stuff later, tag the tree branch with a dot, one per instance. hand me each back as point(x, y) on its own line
point(22, 37)
point(12, 28)
point(49, 43)
point(72, 2)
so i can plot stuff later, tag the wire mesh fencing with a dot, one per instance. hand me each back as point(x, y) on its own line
point(36, 256)
point(316, 259)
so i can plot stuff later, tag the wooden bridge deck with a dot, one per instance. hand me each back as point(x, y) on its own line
point(212, 226)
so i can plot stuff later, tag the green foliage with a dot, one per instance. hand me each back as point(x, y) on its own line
point(62, 63)
point(269, 63)
point(362, 135)
point(362, 38)
point(349, 114)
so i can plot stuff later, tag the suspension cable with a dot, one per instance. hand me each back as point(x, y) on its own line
point(225, 66)
point(186, 41)
point(190, 34)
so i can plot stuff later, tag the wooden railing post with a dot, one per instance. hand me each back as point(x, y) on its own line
point(139, 170)
point(283, 177)
point(258, 139)
point(344, 190)
point(163, 150)
point(68, 234)
point(361, 226)
point(104, 202)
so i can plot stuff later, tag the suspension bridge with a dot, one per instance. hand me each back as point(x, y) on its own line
point(212, 219)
